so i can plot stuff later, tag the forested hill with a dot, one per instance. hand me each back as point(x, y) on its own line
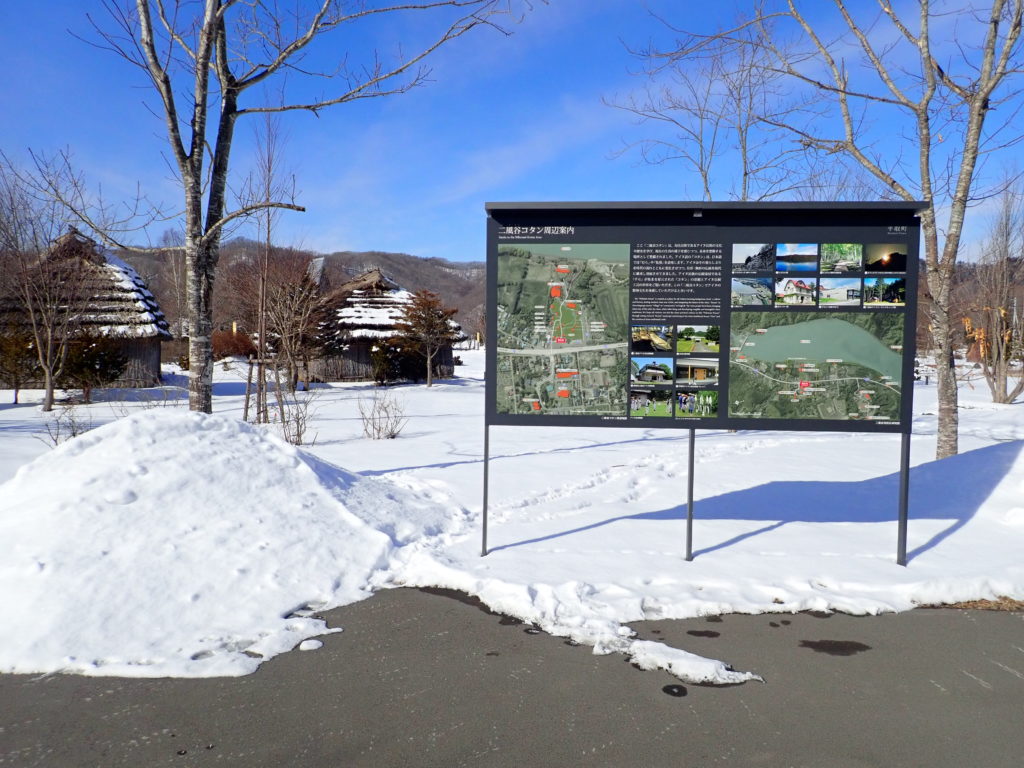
point(459, 284)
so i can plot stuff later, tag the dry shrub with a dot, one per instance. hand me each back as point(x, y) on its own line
point(383, 416)
point(228, 344)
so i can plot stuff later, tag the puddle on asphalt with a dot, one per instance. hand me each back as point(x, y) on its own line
point(835, 647)
point(674, 690)
point(703, 633)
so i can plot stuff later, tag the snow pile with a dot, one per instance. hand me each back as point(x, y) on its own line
point(173, 543)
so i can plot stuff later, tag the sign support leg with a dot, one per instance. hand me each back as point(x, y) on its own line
point(487, 457)
point(901, 538)
point(689, 500)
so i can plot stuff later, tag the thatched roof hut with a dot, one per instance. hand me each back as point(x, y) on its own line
point(110, 300)
point(362, 314)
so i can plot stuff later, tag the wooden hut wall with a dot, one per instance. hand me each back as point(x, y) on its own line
point(143, 369)
point(356, 364)
point(444, 363)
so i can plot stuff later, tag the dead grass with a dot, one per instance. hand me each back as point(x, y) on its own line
point(1001, 603)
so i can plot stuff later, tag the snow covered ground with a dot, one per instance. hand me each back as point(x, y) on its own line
point(166, 543)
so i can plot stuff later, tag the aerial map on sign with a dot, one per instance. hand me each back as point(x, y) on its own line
point(563, 328)
point(821, 365)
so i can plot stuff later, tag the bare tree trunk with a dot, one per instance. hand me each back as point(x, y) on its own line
point(48, 396)
point(200, 340)
point(947, 441)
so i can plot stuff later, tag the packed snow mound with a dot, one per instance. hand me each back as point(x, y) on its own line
point(184, 544)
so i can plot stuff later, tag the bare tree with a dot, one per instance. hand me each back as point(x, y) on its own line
point(695, 125)
point(994, 302)
point(949, 101)
point(266, 184)
point(204, 60)
point(43, 273)
point(170, 280)
point(719, 115)
point(293, 311)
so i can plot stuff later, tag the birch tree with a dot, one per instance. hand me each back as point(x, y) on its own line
point(918, 100)
point(212, 62)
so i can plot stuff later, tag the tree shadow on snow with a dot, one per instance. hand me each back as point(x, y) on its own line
point(649, 435)
point(949, 489)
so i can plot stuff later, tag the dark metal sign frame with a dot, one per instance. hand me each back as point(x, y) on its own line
point(783, 316)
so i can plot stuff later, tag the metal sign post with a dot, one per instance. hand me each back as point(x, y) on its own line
point(689, 499)
point(901, 536)
point(487, 459)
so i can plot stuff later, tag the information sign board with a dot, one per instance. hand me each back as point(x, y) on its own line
point(794, 316)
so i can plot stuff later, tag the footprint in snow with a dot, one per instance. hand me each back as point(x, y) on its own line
point(121, 496)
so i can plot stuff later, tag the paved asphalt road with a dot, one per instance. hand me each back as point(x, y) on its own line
point(430, 679)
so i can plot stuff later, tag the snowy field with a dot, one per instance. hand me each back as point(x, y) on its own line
point(166, 543)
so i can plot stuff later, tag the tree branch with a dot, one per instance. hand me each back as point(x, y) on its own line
point(212, 230)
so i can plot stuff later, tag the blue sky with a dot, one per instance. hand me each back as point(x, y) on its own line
point(506, 119)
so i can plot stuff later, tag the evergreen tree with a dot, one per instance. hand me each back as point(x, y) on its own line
point(92, 362)
point(427, 327)
point(19, 363)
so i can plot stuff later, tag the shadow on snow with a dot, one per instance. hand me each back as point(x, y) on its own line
point(950, 489)
point(648, 436)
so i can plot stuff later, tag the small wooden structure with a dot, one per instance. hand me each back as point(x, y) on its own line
point(697, 370)
point(361, 315)
point(112, 303)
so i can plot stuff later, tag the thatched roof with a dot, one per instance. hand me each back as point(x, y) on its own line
point(110, 298)
point(368, 307)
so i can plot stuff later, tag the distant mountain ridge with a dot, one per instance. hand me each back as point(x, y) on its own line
point(459, 284)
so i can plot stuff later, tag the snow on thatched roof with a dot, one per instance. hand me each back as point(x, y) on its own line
point(368, 315)
point(112, 299)
point(373, 306)
point(120, 304)
point(370, 306)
